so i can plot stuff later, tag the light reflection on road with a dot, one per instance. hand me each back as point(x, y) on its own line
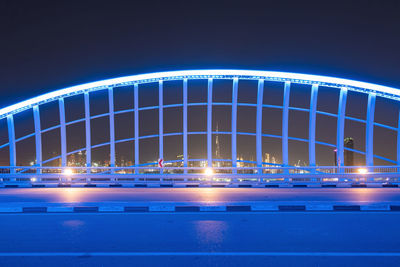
point(211, 232)
point(73, 223)
point(70, 195)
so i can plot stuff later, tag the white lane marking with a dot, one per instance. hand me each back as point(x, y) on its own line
point(10, 209)
point(108, 254)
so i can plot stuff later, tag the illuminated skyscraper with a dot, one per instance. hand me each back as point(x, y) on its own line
point(349, 155)
point(266, 157)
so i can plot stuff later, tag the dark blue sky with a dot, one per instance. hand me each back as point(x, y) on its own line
point(50, 45)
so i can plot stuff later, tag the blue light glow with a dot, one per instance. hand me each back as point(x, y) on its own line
point(380, 90)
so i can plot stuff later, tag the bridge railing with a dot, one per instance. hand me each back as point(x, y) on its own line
point(269, 174)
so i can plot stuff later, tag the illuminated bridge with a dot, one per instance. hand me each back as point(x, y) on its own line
point(208, 126)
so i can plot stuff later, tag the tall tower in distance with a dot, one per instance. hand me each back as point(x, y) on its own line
point(267, 157)
point(217, 146)
point(349, 155)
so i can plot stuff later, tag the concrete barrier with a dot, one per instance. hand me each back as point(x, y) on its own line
point(206, 207)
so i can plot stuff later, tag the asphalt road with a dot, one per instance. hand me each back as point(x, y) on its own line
point(193, 239)
point(68, 195)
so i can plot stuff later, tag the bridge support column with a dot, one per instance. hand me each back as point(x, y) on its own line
point(87, 133)
point(11, 144)
point(209, 122)
point(398, 144)
point(340, 128)
point(260, 93)
point(234, 123)
point(63, 133)
point(38, 138)
point(160, 121)
point(185, 126)
point(398, 141)
point(312, 119)
point(285, 126)
point(112, 128)
point(369, 141)
point(136, 113)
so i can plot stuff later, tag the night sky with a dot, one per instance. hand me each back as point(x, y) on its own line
point(50, 45)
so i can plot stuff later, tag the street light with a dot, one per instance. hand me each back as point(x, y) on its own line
point(208, 172)
point(68, 173)
point(362, 171)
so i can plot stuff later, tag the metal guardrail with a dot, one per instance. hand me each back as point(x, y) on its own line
point(270, 174)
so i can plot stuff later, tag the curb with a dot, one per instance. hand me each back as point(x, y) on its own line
point(201, 208)
point(190, 185)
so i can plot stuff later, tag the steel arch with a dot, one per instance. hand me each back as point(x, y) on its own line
point(344, 85)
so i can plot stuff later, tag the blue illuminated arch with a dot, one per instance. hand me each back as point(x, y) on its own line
point(344, 85)
point(384, 91)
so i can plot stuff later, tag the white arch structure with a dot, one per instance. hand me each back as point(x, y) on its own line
point(315, 81)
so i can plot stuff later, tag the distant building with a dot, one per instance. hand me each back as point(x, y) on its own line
point(348, 155)
point(335, 162)
point(267, 157)
point(217, 145)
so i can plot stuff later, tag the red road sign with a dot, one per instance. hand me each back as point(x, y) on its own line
point(161, 163)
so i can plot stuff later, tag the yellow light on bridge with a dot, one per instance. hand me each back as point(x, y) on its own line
point(68, 172)
point(362, 171)
point(209, 172)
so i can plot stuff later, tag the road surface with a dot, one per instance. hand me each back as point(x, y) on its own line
point(200, 239)
point(193, 239)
